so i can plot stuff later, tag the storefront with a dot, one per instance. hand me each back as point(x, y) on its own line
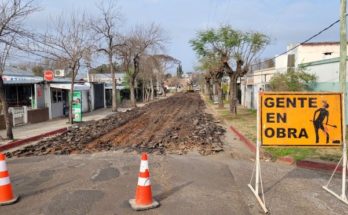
point(22, 90)
point(58, 101)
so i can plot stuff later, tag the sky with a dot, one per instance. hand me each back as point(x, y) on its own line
point(284, 21)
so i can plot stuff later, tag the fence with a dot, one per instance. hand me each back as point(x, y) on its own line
point(19, 115)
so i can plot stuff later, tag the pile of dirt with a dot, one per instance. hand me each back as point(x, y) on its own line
point(177, 124)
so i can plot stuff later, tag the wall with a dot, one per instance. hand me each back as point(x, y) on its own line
point(327, 72)
point(38, 115)
point(57, 109)
point(309, 53)
point(85, 101)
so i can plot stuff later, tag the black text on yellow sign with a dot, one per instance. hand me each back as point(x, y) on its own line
point(301, 119)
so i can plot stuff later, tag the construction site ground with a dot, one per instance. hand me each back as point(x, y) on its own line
point(206, 174)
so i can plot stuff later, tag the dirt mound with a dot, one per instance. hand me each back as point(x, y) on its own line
point(174, 125)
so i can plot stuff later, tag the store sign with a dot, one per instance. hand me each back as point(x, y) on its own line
point(77, 106)
point(301, 119)
point(20, 78)
point(48, 75)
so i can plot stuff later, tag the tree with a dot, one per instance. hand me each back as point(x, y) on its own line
point(234, 49)
point(12, 36)
point(105, 28)
point(104, 68)
point(211, 63)
point(168, 76)
point(70, 42)
point(179, 71)
point(292, 80)
point(38, 70)
point(140, 41)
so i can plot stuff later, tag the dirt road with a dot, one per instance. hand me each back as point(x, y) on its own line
point(176, 125)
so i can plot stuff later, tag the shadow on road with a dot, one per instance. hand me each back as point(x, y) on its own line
point(35, 192)
point(170, 192)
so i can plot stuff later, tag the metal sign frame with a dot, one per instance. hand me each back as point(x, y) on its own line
point(257, 190)
point(257, 169)
point(342, 196)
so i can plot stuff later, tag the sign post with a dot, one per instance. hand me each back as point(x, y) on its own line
point(343, 160)
point(77, 106)
point(257, 168)
point(298, 119)
point(342, 81)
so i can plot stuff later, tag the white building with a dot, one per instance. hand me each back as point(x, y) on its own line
point(319, 58)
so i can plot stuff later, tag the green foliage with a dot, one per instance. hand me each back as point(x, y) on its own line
point(104, 68)
point(296, 153)
point(38, 70)
point(224, 87)
point(168, 76)
point(229, 43)
point(292, 80)
point(179, 71)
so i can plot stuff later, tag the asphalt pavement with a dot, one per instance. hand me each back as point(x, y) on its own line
point(103, 183)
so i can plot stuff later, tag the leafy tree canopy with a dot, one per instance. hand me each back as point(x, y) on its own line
point(292, 80)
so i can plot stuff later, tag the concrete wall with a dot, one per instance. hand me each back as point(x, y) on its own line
point(57, 110)
point(309, 53)
point(38, 115)
point(85, 101)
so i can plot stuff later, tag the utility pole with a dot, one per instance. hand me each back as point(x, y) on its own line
point(342, 80)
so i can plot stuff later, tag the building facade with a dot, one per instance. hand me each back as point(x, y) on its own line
point(320, 59)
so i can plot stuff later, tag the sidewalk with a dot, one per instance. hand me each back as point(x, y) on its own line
point(33, 132)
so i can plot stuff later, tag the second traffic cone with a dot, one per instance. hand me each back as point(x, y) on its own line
point(7, 196)
point(143, 196)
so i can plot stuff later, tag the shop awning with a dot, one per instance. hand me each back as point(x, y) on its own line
point(81, 87)
point(8, 79)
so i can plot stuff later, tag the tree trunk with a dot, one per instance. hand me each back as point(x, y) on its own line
point(8, 121)
point(136, 90)
point(71, 121)
point(219, 93)
point(132, 92)
point(233, 100)
point(208, 90)
point(113, 79)
point(143, 87)
point(152, 90)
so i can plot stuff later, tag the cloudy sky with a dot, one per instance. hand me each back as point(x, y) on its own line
point(285, 21)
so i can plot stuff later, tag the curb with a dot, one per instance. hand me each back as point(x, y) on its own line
point(305, 164)
point(17, 143)
point(318, 165)
point(245, 140)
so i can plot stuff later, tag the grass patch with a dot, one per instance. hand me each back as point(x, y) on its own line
point(296, 153)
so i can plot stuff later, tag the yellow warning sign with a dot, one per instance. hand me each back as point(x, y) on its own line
point(300, 119)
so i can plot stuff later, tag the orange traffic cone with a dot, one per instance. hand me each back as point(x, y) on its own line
point(143, 197)
point(6, 194)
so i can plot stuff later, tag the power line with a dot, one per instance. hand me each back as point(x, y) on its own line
point(307, 40)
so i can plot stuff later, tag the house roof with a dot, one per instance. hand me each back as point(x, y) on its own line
point(320, 44)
